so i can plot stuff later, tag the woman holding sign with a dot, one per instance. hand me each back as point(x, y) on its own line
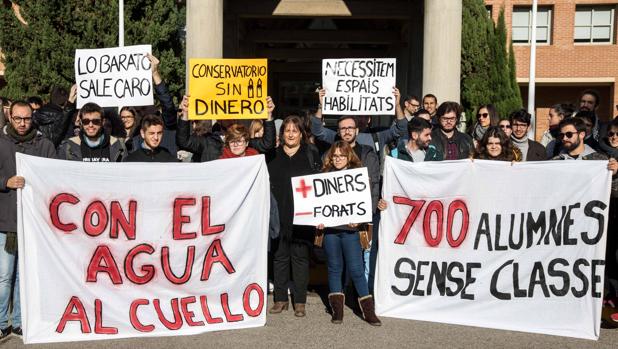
point(342, 246)
point(294, 157)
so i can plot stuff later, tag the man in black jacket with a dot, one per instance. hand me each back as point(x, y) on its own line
point(150, 149)
point(530, 150)
point(18, 136)
point(53, 119)
point(452, 144)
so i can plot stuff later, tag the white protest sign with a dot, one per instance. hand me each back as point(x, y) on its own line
point(359, 86)
point(141, 249)
point(486, 243)
point(332, 198)
point(112, 77)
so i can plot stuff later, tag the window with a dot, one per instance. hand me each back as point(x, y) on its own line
point(594, 24)
point(522, 25)
point(488, 8)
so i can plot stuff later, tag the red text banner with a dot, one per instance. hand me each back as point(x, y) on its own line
point(127, 250)
point(493, 244)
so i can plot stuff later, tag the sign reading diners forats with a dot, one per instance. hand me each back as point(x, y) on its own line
point(486, 243)
point(114, 77)
point(228, 89)
point(100, 262)
point(361, 86)
point(332, 198)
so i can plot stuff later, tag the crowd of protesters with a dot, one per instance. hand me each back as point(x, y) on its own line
point(422, 130)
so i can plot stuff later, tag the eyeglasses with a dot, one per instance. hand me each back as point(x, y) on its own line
point(612, 134)
point(19, 119)
point(346, 129)
point(415, 105)
point(505, 126)
point(95, 122)
point(339, 157)
point(567, 134)
point(448, 119)
point(482, 115)
point(238, 141)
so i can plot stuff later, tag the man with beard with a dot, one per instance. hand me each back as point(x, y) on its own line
point(448, 141)
point(572, 134)
point(418, 147)
point(150, 149)
point(589, 101)
point(92, 144)
point(530, 150)
point(18, 136)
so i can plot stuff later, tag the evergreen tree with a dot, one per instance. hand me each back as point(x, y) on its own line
point(477, 37)
point(516, 101)
point(507, 96)
point(41, 54)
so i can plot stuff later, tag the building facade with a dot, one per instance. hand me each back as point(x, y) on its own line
point(576, 50)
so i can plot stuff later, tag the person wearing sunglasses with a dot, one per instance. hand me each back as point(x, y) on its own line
point(92, 144)
point(18, 136)
point(530, 149)
point(485, 117)
point(505, 126)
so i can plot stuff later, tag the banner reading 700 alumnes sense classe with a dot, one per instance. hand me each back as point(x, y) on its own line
point(493, 244)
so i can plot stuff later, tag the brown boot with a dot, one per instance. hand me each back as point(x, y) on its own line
point(278, 307)
point(336, 300)
point(368, 308)
point(299, 309)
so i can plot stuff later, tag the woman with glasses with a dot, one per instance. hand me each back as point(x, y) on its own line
point(609, 146)
point(495, 145)
point(342, 247)
point(237, 143)
point(505, 126)
point(130, 122)
point(485, 117)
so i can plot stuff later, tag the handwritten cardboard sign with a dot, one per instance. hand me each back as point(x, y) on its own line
point(332, 198)
point(228, 89)
point(112, 77)
point(361, 86)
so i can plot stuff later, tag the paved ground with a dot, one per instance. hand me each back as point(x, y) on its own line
point(316, 331)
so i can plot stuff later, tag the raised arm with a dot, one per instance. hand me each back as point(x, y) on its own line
point(184, 139)
point(168, 109)
point(317, 128)
point(267, 142)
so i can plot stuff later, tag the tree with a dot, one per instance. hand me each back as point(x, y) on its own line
point(41, 54)
point(487, 73)
point(507, 96)
point(477, 37)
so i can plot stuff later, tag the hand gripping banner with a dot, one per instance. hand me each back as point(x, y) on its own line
point(486, 243)
point(138, 249)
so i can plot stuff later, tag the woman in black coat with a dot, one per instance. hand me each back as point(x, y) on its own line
point(294, 157)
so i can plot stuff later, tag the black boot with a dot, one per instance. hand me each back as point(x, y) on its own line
point(336, 301)
point(368, 308)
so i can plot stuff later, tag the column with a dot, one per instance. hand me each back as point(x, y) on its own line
point(442, 49)
point(204, 29)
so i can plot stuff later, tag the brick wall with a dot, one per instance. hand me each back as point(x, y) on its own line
point(577, 66)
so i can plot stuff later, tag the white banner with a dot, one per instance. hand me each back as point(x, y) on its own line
point(141, 249)
point(486, 243)
point(332, 198)
point(113, 77)
point(359, 86)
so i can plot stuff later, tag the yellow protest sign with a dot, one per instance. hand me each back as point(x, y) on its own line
point(228, 89)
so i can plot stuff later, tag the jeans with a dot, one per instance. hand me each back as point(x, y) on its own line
point(8, 269)
point(373, 257)
point(296, 255)
point(340, 245)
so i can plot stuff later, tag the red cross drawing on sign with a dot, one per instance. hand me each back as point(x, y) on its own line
point(303, 188)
